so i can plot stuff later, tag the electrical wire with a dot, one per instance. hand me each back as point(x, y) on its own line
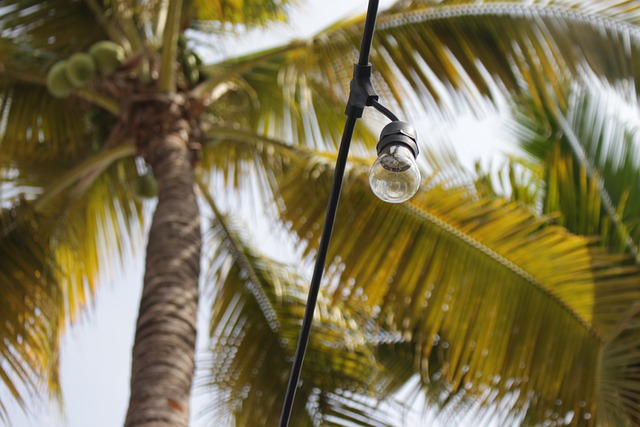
point(384, 110)
point(327, 230)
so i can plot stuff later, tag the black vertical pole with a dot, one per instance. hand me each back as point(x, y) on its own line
point(353, 114)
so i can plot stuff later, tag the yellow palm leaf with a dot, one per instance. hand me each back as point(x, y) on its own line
point(481, 277)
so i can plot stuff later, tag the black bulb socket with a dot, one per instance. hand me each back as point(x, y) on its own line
point(398, 133)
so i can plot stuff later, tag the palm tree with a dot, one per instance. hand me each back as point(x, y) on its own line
point(515, 301)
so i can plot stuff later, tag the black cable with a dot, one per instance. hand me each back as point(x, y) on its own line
point(327, 230)
point(384, 110)
point(318, 270)
point(367, 34)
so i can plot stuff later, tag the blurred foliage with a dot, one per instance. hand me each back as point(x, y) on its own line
point(505, 293)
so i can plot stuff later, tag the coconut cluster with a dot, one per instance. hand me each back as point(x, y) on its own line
point(76, 72)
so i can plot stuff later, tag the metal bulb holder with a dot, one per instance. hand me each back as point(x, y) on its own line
point(395, 176)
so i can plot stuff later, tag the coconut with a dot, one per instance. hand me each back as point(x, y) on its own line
point(58, 84)
point(107, 55)
point(145, 186)
point(81, 69)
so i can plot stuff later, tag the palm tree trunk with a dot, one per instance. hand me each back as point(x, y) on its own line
point(163, 353)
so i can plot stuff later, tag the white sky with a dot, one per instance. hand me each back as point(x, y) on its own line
point(96, 352)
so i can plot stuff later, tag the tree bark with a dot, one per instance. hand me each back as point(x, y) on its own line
point(163, 357)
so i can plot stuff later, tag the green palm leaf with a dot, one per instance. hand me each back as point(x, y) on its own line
point(517, 179)
point(619, 369)
point(425, 59)
point(96, 233)
point(512, 40)
point(449, 251)
point(256, 305)
point(40, 131)
point(55, 249)
point(591, 168)
point(31, 301)
point(283, 100)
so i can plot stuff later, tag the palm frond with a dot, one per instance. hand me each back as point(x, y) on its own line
point(427, 60)
point(516, 179)
point(450, 249)
point(282, 101)
point(243, 158)
point(54, 254)
point(245, 12)
point(31, 304)
point(592, 167)
point(95, 233)
point(44, 31)
point(38, 130)
point(557, 34)
point(257, 309)
point(620, 369)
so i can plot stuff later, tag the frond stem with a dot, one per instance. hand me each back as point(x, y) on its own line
point(532, 11)
point(245, 136)
point(167, 78)
point(100, 160)
point(103, 101)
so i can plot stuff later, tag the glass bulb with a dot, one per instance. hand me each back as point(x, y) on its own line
point(394, 176)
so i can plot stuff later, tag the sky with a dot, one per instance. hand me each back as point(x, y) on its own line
point(95, 360)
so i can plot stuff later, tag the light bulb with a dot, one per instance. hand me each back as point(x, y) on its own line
point(394, 176)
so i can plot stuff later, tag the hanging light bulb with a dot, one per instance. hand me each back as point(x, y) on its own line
point(394, 176)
